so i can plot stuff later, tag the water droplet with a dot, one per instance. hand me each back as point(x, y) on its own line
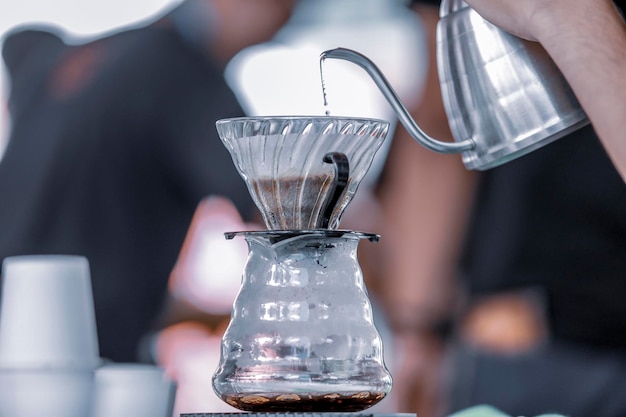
point(322, 59)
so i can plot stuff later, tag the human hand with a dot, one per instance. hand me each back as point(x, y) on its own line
point(189, 352)
point(587, 41)
point(531, 19)
point(207, 274)
point(417, 370)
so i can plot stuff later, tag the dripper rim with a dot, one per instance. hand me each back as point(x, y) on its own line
point(288, 233)
point(302, 117)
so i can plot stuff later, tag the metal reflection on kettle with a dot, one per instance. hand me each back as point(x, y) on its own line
point(504, 96)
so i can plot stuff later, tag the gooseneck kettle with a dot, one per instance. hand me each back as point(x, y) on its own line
point(503, 96)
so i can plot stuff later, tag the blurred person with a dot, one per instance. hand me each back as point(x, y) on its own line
point(504, 286)
point(113, 145)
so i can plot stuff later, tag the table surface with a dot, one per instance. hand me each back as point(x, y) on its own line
point(307, 414)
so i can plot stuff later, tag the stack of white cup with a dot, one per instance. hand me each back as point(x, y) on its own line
point(132, 389)
point(49, 359)
point(48, 339)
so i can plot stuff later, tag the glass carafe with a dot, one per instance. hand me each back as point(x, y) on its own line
point(301, 336)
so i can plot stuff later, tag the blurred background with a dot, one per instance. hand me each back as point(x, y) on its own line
point(81, 20)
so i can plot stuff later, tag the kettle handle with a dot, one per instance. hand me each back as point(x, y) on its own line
point(403, 114)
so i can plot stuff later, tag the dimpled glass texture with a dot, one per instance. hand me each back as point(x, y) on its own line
point(302, 336)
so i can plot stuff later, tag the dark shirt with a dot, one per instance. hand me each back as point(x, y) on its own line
point(429, 2)
point(112, 148)
point(556, 219)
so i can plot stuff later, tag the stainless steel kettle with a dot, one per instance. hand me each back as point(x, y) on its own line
point(504, 96)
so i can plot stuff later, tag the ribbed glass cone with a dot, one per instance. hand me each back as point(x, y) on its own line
point(282, 160)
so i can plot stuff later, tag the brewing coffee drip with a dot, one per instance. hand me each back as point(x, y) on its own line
point(301, 336)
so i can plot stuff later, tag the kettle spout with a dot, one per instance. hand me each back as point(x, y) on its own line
point(390, 95)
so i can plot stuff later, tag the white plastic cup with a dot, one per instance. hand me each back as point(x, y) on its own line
point(129, 389)
point(43, 392)
point(47, 317)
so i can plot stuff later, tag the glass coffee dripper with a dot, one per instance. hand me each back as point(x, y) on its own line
point(282, 161)
point(301, 335)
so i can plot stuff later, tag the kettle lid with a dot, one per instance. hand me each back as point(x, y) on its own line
point(450, 6)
